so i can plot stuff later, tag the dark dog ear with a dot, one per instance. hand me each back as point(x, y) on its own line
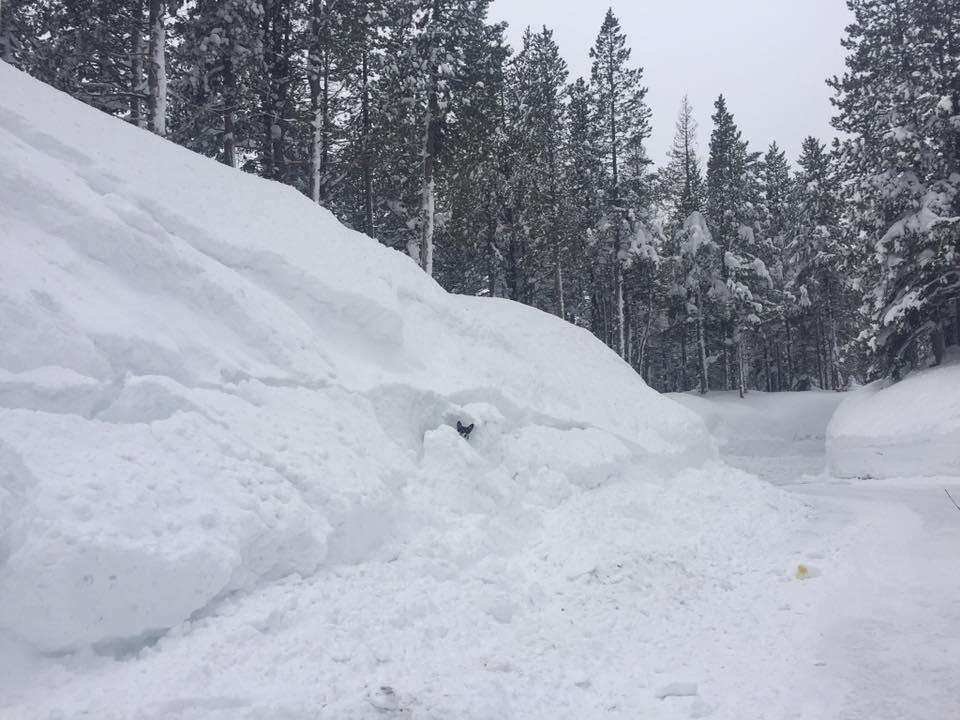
point(460, 427)
point(469, 428)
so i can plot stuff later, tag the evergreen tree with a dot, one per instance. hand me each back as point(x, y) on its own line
point(18, 23)
point(95, 50)
point(899, 99)
point(469, 257)
point(534, 115)
point(681, 188)
point(775, 218)
point(732, 198)
point(625, 121)
point(215, 66)
point(698, 252)
point(816, 256)
point(682, 177)
point(581, 182)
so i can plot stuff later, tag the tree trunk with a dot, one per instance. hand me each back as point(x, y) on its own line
point(938, 342)
point(702, 342)
point(778, 361)
point(430, 137)
point(365, 141)
point(558, 279)
point(956, 321)
point(683, 356)
point(428, 188)
point(319, 79)
point(229, 109)
point(276, 41)
point(740, 379)
point(604, 316)
point(830, 338)
point(157, 74)
point(230, 102)
point(137, 51)
point(767, 380)
point(512, 274)
point(491, 251)
point(727, 377)
point(644, 360)
point(952, 324)
point(821, 359)
point(619, 304)
point(789, 353)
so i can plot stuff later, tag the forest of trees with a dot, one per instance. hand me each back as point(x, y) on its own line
point(414, 122)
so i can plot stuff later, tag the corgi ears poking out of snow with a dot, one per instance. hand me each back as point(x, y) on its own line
point(464, 430)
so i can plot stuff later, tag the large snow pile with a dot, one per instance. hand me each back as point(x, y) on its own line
point(207, 383)
point(905, 429)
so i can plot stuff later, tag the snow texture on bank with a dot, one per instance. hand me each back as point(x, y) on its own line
point(904, 429)
point(208, 384)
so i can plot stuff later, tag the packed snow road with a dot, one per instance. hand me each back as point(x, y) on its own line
point(886, 617)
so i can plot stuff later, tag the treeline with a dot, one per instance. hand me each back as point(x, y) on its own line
point(413, 121)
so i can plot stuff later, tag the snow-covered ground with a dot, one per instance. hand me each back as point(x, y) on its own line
point(231, 485)
point(884, 614)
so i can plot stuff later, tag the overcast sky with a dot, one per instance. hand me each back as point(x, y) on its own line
point(768, 57)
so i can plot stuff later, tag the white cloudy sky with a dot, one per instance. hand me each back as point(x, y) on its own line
point(768, 57)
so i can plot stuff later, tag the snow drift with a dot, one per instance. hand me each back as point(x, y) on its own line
point(207, 383)
point(906, 429)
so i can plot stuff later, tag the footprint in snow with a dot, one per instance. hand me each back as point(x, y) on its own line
point(385, 699)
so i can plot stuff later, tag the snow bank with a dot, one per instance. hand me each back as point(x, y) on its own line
point(910, 428)
point(207, 383)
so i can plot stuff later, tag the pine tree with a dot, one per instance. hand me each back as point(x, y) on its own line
point(681, 190)
point(899, 100)
point(16, 23)
point(816, 256)
point(215, 67)
point(469, 259)
point(582, 176)
point(276, 79)
point(697, 254)
point(95, 50)
point(775, 218)
point(534, 117)
point(433, 71)
point(682, 177)
point(624, 117)
point(732, 199)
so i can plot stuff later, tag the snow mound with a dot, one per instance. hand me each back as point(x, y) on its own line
point(906, 429)
point(207, 383)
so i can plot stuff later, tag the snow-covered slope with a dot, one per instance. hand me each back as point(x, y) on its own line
point(910, 428)
point(207, 383)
